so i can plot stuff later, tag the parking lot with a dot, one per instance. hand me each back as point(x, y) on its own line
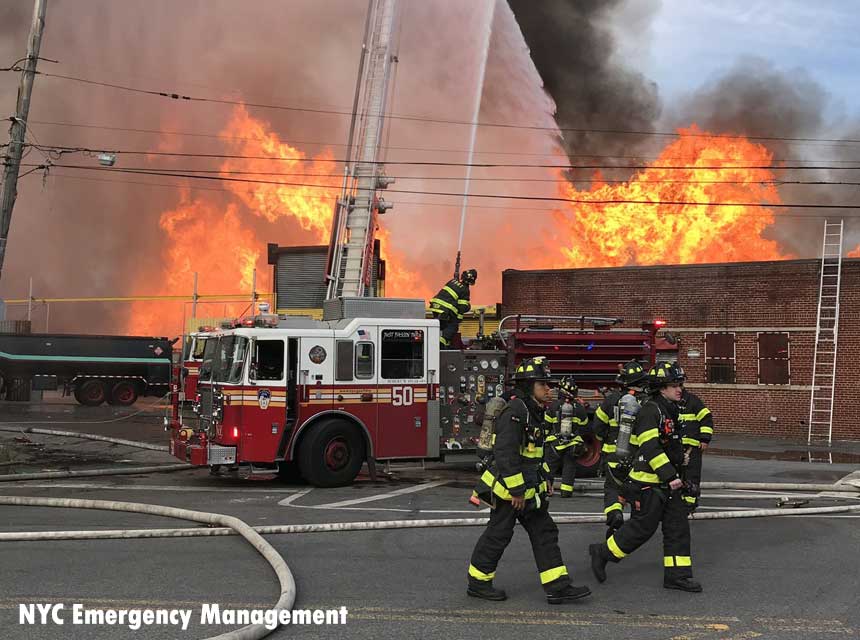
point(777, 577)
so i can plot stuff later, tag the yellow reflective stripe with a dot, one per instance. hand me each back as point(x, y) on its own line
point(704, 412)
point(550, 419)
point(690, 499)
point(644, 476)
point(494, 438)
point(687, 417)
point(609, 448)
point(580, 421)
point(514, 481)
point(477, 574)
point(552, 574)
point(551, 439)
point(614, 507)
point(537, 452)
point(499, 489)
point(614, 549)
point(647, 435)
point(659, 461)
point(453, 293)
point(613, 465)
point(444, 304)
point(677, 561)
point(566, 487)
point(690, 441)
point(546, 467)
point(600, 414)
point(465, 303)
point(708, 430)
point(634, 440)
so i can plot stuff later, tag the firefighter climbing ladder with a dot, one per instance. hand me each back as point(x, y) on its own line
point(826, 335)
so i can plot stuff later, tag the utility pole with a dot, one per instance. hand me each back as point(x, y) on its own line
point(12, 159)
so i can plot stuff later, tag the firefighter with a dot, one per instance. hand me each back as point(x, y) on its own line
point(566, 421)
point(451, 303)
point(698, 430)
point(654, 487)
point(515, 486)
point(632, 379)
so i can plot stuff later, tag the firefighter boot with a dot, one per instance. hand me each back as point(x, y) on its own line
point(567, 594)
point(598, 561)
point(485, 590)
point(683, 584)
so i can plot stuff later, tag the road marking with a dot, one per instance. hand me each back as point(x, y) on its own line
point(144, 487)
point(380, 496)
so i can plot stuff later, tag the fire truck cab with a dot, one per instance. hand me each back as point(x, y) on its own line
point(192, 357)
point(317, 397)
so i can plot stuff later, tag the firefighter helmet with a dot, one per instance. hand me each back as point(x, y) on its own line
point(567, 386)
point(470, 276)
point(533, 370)
point(631, 374)
point(665, 373)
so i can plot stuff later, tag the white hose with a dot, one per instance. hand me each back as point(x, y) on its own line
point(85, 436)
point(86, 473)
point(188, 532)
point(285, 577)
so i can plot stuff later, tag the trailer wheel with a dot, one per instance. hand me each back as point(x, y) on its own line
point(331, 455)
point(91, 393)
point(588, 464)
point(124, 393)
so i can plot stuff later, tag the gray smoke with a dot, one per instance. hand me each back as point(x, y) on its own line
point(573, 45)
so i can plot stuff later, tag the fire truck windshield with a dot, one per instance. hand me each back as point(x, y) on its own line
point(210, 353)
point(199, 347)
point(231, 359)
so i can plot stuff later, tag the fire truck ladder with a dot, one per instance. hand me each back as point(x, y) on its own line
point(826, 335)
point(355, 224)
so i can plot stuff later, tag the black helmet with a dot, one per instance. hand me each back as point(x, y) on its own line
point(533, 370)
point(470, 276)
point(665, 373)
point(631, 374)
point(567, 386)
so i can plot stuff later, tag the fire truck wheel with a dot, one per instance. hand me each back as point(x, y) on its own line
point(123, 393)
point(289, 472)
point(588, 464)
point(91, 393)
point(331, 455)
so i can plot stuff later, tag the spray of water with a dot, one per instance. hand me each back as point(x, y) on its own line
point(485, 51)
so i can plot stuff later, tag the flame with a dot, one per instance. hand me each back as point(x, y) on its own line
point(606, 234)
point(854, 253)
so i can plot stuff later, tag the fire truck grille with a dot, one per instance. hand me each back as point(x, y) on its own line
point(222, 455)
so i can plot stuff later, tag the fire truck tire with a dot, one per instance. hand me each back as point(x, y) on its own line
point(332, 453)
point(588, 464)
point(290, 473)
point(124, 393)
point(91, 393)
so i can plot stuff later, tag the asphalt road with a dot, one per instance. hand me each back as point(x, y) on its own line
point(789, 577)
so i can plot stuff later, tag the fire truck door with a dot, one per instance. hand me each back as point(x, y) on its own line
point(402, 430)
point(266, 412)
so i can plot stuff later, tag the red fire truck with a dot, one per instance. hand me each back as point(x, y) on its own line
point(192, 357)
point(369, 382)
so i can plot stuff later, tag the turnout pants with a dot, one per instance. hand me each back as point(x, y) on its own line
point(657, 506)
point(562, 462)
point(543, 534)
point(612, 490)
point(448, 327)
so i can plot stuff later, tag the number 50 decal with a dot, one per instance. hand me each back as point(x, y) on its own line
point(402, 396)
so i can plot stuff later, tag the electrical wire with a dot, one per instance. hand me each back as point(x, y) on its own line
point(426, 119)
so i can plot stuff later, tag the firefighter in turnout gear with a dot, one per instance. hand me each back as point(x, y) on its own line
point(566, 421)
point(632, 379)
point(451, 303)
point(654, 487)
point(515, 486)
point(698, 428)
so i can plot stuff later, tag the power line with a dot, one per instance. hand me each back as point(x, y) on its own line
point(482, 195)
point(415, 118)
point(480, 165)
point(419, 203)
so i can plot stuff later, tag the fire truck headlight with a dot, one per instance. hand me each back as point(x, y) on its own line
point(235, 433)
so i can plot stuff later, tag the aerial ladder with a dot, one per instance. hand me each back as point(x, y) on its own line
point(350, 258)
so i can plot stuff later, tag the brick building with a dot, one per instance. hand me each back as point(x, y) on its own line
point(745, 331)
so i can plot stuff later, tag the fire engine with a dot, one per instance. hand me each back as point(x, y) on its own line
point(318, 398)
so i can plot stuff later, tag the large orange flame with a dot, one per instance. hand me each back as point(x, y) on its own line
point(616, 234)
point(855, 253)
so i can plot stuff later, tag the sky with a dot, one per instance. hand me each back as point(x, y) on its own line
point(695, 39)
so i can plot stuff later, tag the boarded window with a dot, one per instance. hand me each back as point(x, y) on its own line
point(774, 358)
point(720, 358)
point(364, 360)
point(343, 357)
point(402, 354)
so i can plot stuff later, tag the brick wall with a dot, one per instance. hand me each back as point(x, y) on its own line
point(741, 297)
